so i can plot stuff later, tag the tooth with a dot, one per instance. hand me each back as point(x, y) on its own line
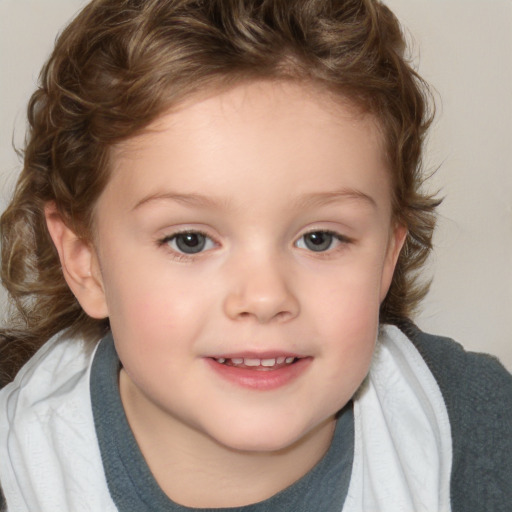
point(280, 360)
point(251, 362)
point(268, 362)
point(221, 360)
point(289, 360)
point(237, 360)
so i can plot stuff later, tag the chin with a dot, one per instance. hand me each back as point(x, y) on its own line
point(271, 438)
point(260, 445)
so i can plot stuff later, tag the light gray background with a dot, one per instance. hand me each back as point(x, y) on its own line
point(464, 49)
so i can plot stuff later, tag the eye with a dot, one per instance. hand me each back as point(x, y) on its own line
point(319, 241)
point(189, 242)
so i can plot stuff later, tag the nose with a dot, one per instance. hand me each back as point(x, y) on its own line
point(261, 290)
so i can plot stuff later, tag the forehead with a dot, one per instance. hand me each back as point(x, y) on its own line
point(258, 101)
point(295, 136)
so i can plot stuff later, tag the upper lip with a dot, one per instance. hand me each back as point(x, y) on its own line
point(257, 355)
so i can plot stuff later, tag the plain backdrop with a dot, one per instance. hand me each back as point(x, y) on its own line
point(464, 49)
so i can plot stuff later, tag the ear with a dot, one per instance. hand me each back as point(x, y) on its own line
point(396, 241)
point(79, 263)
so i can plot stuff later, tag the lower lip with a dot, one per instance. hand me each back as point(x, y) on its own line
point(261, 380)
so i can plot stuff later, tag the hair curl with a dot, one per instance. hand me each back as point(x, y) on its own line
point(121, 63)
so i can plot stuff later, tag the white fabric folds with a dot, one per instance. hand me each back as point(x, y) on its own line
point(403, 448)
point(49, 454)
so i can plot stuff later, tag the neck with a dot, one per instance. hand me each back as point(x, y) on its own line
point(196, 471)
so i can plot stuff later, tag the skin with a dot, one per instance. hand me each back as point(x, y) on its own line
point(254, 168)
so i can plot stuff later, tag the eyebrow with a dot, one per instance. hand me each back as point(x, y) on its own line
point(192, 199)
point(326, 198)
point(303, 202)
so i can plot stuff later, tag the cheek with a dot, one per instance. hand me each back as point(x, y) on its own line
point(347, 318)
point(151, 307)
point(351, 360)
point(351, 295)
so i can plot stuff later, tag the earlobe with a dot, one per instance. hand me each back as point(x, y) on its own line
point(396, 242)
point(79, 264)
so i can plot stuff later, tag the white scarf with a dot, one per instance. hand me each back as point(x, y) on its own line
point(403, 448)
point(50, 459)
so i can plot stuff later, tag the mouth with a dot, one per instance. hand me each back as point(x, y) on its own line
point(259, 364)
point(264, 373)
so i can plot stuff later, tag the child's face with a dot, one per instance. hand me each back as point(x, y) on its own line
point(255, 224)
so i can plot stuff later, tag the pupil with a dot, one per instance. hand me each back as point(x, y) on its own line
point(318, 241)
point(190, 243)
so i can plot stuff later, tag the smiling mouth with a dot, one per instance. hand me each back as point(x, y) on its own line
point(251, 363)
point(265, 373)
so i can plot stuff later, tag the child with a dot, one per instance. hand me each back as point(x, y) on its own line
point(212, 249)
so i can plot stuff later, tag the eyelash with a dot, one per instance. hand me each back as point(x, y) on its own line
point(183, 256)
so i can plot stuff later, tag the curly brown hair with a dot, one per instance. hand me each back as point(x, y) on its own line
point(121, 63)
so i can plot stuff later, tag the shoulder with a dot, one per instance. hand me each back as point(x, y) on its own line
point(465, 376)
point(58, 366)
point(477, 391)
point(44, 411)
